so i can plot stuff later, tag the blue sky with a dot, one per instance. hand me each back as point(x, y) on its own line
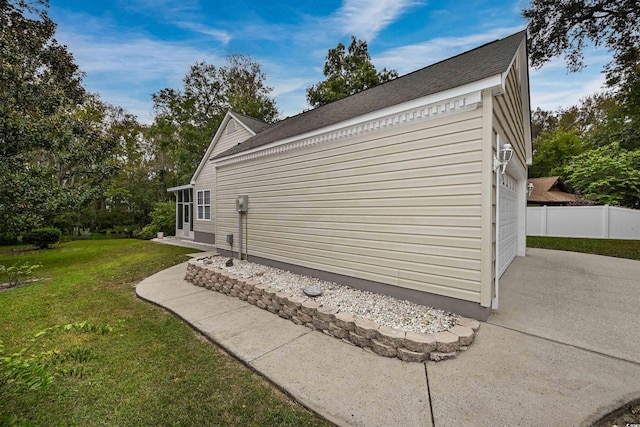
point(130, 49)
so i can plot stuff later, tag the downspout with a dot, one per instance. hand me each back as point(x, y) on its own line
point(494, 301)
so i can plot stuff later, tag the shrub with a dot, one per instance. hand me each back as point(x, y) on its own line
point(148, 232)
point(8, 239)
point(42, 237)
point(163, 219)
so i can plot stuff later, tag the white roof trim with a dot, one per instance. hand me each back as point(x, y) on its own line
point(453, 99)
point(180, 187)
point(215, 139)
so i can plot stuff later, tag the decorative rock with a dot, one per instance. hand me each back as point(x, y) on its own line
point(309, 307)
point(326, 313)
point(242, 297)
point(359, 340)
point(437, 356)
point(305, 318)
point(233, 293)
point(419, 343)
point(346, 321)
point(295, 302)
point(365, 328)
point(271, 292)
point(383, 350)
point(320, 324)
point(338, 332)
point(446, 342)
point(390, 336)
point(296, 320)
point(290, 311)
point(411, 356)
point(260, 288)
point(282, 297)
point(261, 304)
point(284, 315)
point(312, 291)
point(251, 300)
point(469, 323)
point(465, 334)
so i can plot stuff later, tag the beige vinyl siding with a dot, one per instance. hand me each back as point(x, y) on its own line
point(508, 115)
point(206, 180)
point(401, 207)
point(228, 140)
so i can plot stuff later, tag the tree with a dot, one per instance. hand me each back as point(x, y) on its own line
point(48, 144)
point(553, 149)
point(564, 26)
point(607, 175)
point(347, 73)
point(558, 27)
point(186, 120)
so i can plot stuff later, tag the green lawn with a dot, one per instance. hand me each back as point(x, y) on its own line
point(616, 248)
point(151, 369)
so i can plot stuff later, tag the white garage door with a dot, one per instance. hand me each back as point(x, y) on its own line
point(507, 222)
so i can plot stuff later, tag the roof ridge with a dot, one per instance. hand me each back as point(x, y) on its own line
point(438, 77)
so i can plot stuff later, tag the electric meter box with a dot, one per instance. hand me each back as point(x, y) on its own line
point(242, 203)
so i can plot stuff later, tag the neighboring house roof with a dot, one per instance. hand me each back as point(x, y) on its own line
point(549, 190)
point(253, 126)
point(475, 65)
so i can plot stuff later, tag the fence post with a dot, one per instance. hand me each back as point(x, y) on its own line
point(605, 222)
point(544, 220)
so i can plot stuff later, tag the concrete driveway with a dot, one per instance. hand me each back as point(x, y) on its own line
point(589, 301)
point(562, 350)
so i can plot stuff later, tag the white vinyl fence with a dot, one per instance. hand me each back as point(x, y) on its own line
point(604, 222)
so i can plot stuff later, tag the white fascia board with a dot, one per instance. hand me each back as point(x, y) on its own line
point(215, 139)
point(180, 187)
point(474, 88)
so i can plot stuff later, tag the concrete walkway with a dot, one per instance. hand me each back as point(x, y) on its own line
point(563, 350)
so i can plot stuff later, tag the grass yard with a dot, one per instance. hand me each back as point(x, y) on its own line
point(151, 369)
point(616, 248)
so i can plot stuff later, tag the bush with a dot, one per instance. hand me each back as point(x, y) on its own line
point(8, 239)
point(148, 232)
point(42, 237)
point(163, 219)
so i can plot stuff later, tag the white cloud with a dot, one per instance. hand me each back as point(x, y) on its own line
point(415, 56)
point(365, 18)
point(221, 35)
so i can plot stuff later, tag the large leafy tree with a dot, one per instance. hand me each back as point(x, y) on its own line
point(347, 72)
point(185, 120)
point(52, 147)
point(553, 149)
point(563, 27)
point(608, 175)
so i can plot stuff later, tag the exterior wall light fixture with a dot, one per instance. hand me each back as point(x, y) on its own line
point(529, 188)
point(500, 162)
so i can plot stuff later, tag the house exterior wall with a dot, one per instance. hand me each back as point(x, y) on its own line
point(400, 207)
point(206, 180)
point(508, 122)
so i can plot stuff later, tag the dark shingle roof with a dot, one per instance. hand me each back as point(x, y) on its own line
point(477, 64)
point(254, 124)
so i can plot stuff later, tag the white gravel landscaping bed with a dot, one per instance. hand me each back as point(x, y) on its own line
point(382, 309)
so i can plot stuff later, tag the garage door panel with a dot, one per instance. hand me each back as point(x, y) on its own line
point(508, 222)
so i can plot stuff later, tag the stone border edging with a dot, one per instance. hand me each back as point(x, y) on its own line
point(382, 340)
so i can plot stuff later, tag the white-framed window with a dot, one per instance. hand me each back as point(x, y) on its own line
point(203, 205)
